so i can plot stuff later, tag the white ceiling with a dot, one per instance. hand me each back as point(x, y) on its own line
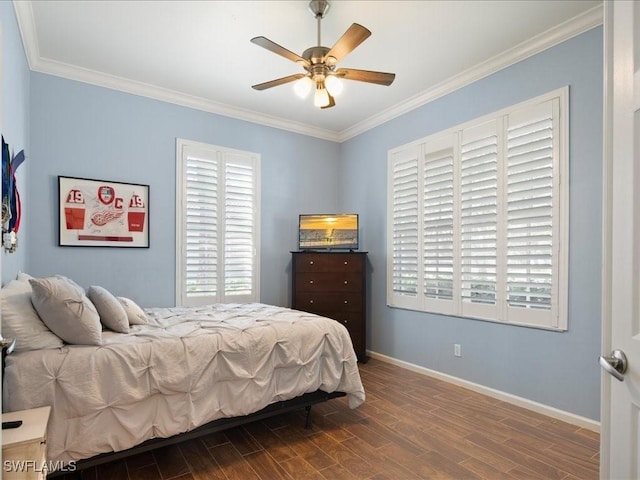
point(197, 53)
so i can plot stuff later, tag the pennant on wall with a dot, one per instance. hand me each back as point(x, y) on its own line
point(11, 206)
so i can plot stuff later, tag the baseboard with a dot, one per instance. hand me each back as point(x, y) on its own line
point(568, 417)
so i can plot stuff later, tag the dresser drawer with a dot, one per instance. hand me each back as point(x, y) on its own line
point(329, 282)
point(311, 262)
point(328, 302)
point(345, 262)
point(328, 262)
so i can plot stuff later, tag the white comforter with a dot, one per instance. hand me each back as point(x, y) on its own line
point(187, 367)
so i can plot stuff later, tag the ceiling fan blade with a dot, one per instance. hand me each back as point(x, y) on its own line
point(354, 36)
point(277, 49)
point(279, 81)
point(380, 78)
point(332, 102)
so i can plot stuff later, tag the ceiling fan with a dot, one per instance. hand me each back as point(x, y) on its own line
point(320, 63)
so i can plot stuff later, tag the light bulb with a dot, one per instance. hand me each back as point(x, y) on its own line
point(333, 85)
point(321, 98)
point(303, 86)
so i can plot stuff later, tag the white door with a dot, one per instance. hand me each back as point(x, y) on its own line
point(620, 420)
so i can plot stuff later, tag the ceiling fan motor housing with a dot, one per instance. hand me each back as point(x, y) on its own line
point(319, 8)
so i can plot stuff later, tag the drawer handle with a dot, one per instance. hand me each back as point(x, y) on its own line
point(345, 282)
point(346, 263)
point(311, 282)
point(310, 301)
point(311, 262)
point(346, 301)
point(345, 321)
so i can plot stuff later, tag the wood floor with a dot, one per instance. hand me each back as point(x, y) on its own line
point(411, 426)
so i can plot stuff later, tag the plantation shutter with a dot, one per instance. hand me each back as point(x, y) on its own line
point(404, 216)
point(479, 219)
point(201, 249)
point(239, 225)
point(218, 225)
point(438, 205)
point(531, 232)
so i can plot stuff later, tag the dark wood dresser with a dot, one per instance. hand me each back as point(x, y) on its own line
point(333, 284)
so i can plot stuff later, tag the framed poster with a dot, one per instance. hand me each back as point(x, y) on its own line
point(101, 213)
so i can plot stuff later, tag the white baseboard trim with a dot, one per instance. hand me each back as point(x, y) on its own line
point(568, 417)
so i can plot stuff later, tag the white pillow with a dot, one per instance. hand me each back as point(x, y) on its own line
point(135, 314)
point(21, 321)
point(66, 310)
point(112, 313)
point(23, 277)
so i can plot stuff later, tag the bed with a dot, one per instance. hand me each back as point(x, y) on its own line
point(185, 368)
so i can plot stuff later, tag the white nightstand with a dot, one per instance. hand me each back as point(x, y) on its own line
point(24, 449)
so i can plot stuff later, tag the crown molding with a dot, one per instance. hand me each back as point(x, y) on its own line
point(569, 29)
point(575, 26)
point(27, 27)
point(142, 89)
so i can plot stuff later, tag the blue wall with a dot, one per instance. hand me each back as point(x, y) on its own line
point(15, 125)
point(557, 369)
point(86, 131)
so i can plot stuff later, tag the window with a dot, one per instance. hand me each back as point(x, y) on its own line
point(217, 224)
point(478, 218)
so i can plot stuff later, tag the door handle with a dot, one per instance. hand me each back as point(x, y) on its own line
point(615, 364)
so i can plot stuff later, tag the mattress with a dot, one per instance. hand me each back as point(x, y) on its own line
point(187, 367)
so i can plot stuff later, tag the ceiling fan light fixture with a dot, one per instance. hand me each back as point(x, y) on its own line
point(334, 85)
point(320, 62)
point(303, 86)
point(321, 98)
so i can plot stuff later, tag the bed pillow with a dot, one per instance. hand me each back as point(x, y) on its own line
point(66, 310)
point(112, 313)
point(23, 277)
point(135, 314)
point(21, 321)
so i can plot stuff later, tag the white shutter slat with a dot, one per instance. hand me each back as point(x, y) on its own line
point(201, 197)
point(478, 214)
point(405, 229)
point(239, 226)
point(437, 224)
point(529, 206)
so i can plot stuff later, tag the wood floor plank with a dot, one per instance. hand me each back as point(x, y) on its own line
point(170, 461)
point(337, 472)
point(484, 470)
point(231, 463)
point(349, 461)
point(269, 441)
point(147, 472)
point(200, 461)
point(244, 443)
point(113, 471)
point(505, 450)
point(379, 461)
point(299, 469)
point(265, 466)
point(441, 463)
point(428, 441)
point(310, 452)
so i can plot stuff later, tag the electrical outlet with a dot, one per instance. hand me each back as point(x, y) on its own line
point(457, 350)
